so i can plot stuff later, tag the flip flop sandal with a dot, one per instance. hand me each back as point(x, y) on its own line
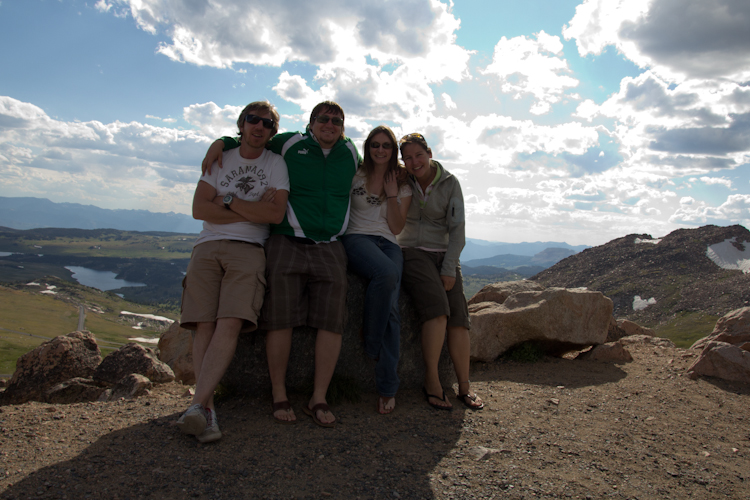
point(282, 405)
point(313, 413)
point(444, 399)
point(468, 399)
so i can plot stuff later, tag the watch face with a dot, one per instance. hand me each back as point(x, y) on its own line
point(228, 199)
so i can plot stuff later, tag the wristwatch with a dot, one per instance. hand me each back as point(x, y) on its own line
point(228, 199)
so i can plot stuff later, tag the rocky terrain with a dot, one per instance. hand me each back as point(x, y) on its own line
point(559, 428)
point(675, 272)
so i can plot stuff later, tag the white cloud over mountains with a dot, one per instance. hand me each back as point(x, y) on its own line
point(613, 166)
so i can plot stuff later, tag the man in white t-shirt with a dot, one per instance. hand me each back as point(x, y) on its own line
point(225, 282)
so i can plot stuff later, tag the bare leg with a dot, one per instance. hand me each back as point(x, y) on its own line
point(327, 348)
point(433, 336)
point(278, 347)
point(459, 347)
point(213, 350)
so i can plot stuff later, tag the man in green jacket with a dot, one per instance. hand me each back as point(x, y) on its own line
point(306, 264)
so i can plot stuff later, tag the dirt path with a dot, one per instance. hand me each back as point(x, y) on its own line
point(557, 429)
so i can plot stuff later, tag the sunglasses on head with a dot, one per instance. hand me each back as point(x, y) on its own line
point(376, 145)
point(255, 119)
point(324, 119)
point(413, 136)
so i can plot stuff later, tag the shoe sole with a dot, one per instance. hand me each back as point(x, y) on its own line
point(208, 437)
point(194, 425)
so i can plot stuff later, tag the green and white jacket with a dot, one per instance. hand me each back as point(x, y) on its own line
point(318, 206)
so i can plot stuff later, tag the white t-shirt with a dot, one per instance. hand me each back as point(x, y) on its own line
point(247, 180)
point(369, 213)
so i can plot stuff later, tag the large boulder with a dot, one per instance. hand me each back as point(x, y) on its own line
point(498, 292)
point(176, 350)
point(556, 319)
point(133, 358)
point(55, 361)
point(248, 372)
point(733, 328)
point(722, 360)
point(725, 352)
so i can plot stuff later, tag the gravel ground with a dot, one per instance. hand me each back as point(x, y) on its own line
point(559, 428)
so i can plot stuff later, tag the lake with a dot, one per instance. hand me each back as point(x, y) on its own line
point(101, 280)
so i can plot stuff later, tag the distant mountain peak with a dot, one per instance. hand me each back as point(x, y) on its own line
point(689, 270)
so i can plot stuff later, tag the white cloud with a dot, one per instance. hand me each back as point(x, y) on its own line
point(677, 39)
point(115, 165)
point(735, 208)
point(717, 180)
point(526, 66)
point(448, 101)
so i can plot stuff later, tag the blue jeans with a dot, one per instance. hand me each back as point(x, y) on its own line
point(380, 261)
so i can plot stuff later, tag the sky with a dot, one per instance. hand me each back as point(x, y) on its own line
point(564, 120)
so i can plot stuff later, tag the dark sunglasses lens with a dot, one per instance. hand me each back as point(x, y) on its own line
point(385, 145)
point(324, 119)
point(254, 119)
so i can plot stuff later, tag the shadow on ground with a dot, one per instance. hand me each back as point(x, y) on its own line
point(365, 456)
point(571, 373)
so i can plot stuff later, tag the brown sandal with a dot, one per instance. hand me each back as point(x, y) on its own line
point(282, 405)
point(313, 413)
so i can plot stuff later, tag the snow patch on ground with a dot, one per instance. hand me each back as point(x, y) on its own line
point(639, 304)
point(727, 256)
point(148, 316)
point(653, 242)
point(144, 340)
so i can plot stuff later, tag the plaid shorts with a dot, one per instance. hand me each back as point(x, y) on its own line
point(307, 285)
point(422, 281)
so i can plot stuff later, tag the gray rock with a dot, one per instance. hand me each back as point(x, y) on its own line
point(557, 319)
point(55, 361)
point(632, 328)
point(176, 350)
point(615, 333)
point(722, 360)
point(133, 358)
point(75, 390)
point(131, 386)
point(499, 292)
point(732, 328)
point(611, 352)
point(248, 372)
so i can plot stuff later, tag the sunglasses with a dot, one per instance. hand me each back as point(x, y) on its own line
point(376, 145)
point(255, 119)
point(411, 137)
point(325, 118)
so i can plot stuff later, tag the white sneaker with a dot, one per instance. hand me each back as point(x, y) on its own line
point(194, 420)
point(212, 432)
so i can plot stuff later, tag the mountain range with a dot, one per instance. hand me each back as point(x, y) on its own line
point(32, 213)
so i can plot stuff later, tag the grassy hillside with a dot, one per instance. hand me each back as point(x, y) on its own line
point(157, 259)
point(97, 243)
point(29, 318)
